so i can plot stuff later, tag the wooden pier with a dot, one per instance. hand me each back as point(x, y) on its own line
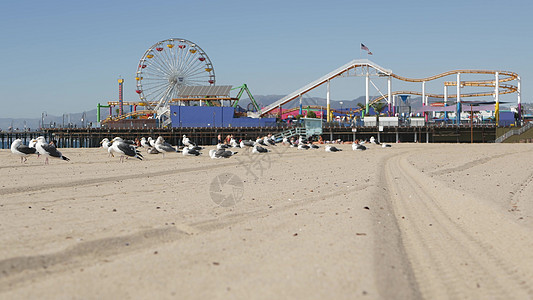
point(91, 137)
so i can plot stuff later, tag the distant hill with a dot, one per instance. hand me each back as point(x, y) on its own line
point(55, 121)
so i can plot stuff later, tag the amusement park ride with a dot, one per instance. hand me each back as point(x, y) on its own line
point(171, 69)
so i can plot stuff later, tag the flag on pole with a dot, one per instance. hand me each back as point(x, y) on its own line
point(363, 47)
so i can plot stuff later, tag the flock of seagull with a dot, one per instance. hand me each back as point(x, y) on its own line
point(128, 149)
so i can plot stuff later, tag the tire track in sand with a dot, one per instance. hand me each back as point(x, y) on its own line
point(458, 246)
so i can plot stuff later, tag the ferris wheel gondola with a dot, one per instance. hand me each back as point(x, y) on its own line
point(169, 65)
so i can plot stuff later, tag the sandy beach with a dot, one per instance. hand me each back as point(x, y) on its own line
point(414, 221)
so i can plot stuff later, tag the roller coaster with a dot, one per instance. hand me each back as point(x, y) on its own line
point(366, 68)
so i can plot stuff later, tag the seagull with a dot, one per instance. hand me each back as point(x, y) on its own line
point(259, 149)
point(332, 149)
point(260, 142)
point(313, 146)
point(303, 147)
point(144, 143)
point(373, 140)
point(357, 146)
point(215, 154)
point(268, 142)
point(247, 144)
point(193, 147)
point(186, 141)
point(151, 141)
point(234, 144)
point(106, 144)
point(385, 146)
point(152, 151)
point(32, 143)
point(187, 151)
point(162, 146)
point(48, 150)
point(22, 150)
point(285, 141)
point(125, 149)
point(222, 146)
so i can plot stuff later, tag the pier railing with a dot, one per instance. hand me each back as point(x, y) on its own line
point(518, 131)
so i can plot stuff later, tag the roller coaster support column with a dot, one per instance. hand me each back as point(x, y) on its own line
point(328, 118)
point(301, 112)
point(445, 101)
point(497, 98)
point(389, 98)
point(519, 102)
point(367, 99)
point(394, 104)
point(98, 116)
point(424, 100)
point(458, 114)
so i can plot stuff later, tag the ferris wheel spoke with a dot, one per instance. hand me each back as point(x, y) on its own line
point(185, 59)
point(194, 68)
point(197, 73)
point(156, 94)
point(159, 86)
point(158, 62)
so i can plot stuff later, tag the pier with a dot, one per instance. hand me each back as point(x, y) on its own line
point(91, 137)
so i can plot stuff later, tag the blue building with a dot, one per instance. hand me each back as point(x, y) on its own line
point(213, 116)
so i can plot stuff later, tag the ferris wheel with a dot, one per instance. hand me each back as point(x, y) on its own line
point(169, 65)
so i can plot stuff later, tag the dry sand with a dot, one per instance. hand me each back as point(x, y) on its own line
point(433, 221)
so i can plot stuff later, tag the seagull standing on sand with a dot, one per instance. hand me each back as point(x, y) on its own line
point(162, 146)
point(48, 150)
point(145, 143)
point(332, 149)
point(151, 142)
point(385, 146)
point(125, 149)
point(303, 147)
point(186, 141)
point(234, 144)
point(22, 150)
point(106, 144)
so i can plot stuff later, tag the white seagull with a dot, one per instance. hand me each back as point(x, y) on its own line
point(151, 141)
point(215, 154)
point(22, 150)
point(358, 147)
point(124, 149)
point(48, 150)
point(259, 149)
point(187, 151)
point(106, 144)
point(186, 141)
point(332, 149)
point(162, 146)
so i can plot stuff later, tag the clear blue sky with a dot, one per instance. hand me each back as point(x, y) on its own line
point(65, 56)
